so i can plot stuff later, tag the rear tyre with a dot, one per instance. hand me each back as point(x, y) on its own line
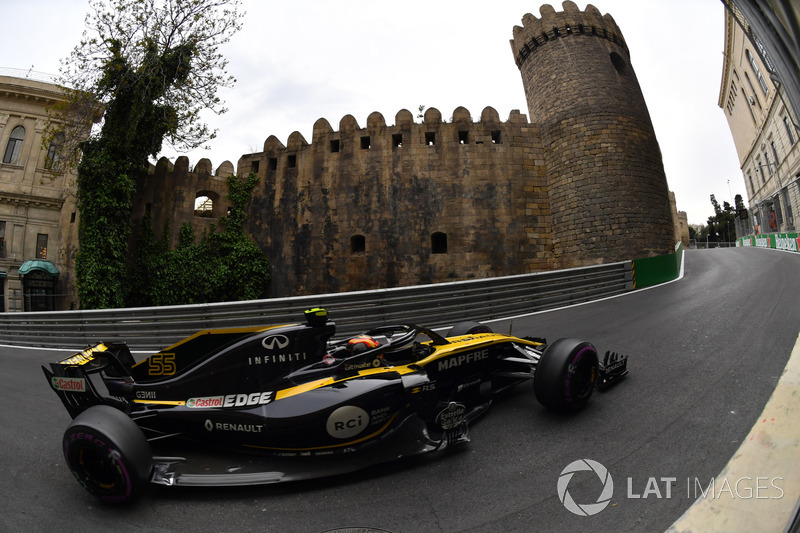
point(108, 454)
point(566, 375)
point(468, 328)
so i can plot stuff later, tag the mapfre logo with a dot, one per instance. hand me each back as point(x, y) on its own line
point(275, 342)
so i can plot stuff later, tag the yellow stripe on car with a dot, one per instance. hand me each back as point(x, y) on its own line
point(81, 358)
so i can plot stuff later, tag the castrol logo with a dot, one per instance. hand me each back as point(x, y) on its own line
point(69, 384)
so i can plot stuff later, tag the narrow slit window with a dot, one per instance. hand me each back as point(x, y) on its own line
point(41, 246)
point(789, 127)
point(397, 140)
point(358, 244)
point(439, 243)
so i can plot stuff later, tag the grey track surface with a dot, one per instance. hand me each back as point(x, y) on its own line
point(706, 353)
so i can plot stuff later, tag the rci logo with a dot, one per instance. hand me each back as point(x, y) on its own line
point(275, 341)
point(347, 421)
point(586, 509)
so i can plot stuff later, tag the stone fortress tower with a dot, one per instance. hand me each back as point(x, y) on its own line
point(608, 194)
point(412, 203)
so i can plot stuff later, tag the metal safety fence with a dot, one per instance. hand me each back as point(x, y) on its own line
point(435, 305)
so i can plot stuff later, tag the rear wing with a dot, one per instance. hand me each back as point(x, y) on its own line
point(70, 378)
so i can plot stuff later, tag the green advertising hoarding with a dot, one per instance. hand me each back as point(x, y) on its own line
point(777, 241)
point(659, 269)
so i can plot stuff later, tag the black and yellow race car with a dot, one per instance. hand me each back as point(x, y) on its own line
point(263, 405)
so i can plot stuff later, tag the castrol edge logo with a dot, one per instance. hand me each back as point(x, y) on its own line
point(69, 384)
point(230, 400)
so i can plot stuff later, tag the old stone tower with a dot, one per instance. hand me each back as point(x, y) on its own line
point(608, 194)
point(412, 203)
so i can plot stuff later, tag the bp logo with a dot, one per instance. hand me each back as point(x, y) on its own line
point(585, 509)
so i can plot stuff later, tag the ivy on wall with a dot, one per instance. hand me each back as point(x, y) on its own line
point(224, 265)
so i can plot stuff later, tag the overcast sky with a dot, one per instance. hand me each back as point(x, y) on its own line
point(296, 62)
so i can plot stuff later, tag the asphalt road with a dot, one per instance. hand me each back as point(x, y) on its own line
point(706, 352)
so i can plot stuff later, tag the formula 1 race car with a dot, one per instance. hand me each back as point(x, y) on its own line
point(264, 405)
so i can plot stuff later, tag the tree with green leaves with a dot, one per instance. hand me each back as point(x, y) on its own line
point(151, 66)
point(722, 225)
point(224, 265)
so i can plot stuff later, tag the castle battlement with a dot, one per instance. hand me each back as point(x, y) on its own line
point(351, 133)
point(577, 181)
point(537, 32)
point(181, 166)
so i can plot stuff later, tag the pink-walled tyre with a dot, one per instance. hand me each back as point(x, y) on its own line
point(108, 454)
point(566, 375)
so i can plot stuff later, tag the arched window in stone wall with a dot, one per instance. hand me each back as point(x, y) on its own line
point(358, 245)
point(439, 243)
point(204, 204)
point(54, 152)
point(619, 63)
point(14, 146)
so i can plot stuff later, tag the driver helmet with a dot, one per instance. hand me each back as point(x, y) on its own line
point(361, 343)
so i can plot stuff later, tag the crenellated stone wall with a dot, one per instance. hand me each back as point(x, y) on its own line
point(412, 203)
point(386, 206)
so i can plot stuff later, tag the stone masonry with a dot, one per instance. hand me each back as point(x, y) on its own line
point(412, 203)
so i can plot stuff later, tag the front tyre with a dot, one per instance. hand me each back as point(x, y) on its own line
point(566, 375)
point(108, 454)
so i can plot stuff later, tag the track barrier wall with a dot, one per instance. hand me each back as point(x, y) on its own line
point(659, 269)
point(435, 305)
point(789, 242)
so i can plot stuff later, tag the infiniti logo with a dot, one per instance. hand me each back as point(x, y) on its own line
point(275, 342)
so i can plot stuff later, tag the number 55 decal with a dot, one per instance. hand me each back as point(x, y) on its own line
point(161, 364)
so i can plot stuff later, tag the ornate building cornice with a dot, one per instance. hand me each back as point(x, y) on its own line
point(28, 200)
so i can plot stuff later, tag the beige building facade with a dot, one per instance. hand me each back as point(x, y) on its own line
point(765, 132)
point(37, 202)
